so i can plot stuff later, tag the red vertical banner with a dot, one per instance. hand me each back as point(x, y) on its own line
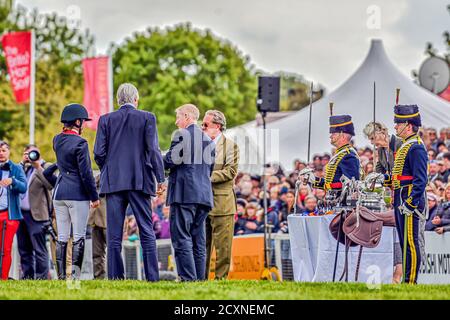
point(446, 94)
point(97, 93)
point(18, 55)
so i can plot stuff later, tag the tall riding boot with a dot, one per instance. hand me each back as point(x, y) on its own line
point(61, 254)
point(77, 258)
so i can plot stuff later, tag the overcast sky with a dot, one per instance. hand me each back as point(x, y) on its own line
point(322, 40)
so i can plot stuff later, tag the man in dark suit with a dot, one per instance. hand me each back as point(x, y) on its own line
point(190, 160)
point(128, 155)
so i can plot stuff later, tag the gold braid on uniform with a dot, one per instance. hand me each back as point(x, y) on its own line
point(331, 167)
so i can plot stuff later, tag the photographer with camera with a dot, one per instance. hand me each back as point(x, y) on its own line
point(36, 207)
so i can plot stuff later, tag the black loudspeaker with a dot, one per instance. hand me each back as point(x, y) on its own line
point(268, 94)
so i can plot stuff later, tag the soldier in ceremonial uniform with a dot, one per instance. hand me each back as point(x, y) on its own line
point(408, 180)
point(345, 161)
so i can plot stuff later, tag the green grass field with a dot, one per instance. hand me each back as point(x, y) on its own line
point(234, 290)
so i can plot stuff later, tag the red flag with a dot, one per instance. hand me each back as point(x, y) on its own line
point(96, 88)
point(446, 94)
point(17, 48)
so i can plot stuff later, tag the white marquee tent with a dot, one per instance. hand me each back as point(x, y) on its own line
point(288, 137)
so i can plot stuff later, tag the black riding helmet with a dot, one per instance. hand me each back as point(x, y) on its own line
point(73, 112)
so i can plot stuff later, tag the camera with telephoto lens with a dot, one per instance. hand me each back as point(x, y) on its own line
point(34, 155)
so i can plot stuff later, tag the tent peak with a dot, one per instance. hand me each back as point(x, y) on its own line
point(355, 97)
point(376, 44)
point(377, 49)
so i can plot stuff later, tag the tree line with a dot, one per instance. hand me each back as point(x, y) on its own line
point(169, 66)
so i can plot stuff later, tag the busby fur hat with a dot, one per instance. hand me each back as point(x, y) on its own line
point(342, 123)
point(407, 113)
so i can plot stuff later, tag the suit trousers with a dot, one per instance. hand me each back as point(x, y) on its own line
point(32, 245)
point(219, 235)
point(187, 230)
point(99, 252)
point(116, 204)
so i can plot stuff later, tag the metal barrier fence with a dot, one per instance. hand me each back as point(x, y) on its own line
point(283, 257)
point(132, 257)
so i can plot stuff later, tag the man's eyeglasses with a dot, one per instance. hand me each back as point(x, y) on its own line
point(206, 125)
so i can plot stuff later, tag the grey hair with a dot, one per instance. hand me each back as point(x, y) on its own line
point(218, 118)
point(190, 110)
point(4, 143)
point(310, 196)
point(127, 93)
point(347, 136)
point(376, 127)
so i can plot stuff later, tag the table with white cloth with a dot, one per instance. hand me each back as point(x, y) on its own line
point(313, 251)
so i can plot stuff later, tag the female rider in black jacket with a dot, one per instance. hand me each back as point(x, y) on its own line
point(75, 188)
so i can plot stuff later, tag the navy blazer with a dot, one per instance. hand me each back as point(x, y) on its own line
point(190, 160)
point(49, 174)
point(127, 151)
point(76, 180)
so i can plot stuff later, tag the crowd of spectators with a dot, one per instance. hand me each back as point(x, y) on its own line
point(282, 201)
point(281, 193)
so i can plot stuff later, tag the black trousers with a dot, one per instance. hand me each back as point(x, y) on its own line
point(116, 204)
point(32, 247)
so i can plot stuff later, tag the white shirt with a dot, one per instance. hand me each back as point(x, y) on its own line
point(216, 139)
point(24, 199)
